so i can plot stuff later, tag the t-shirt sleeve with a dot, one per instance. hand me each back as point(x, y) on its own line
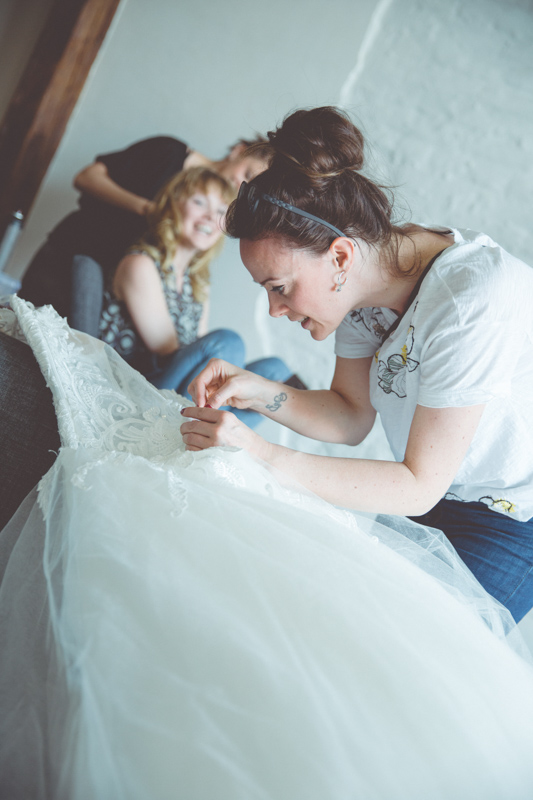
point(361, 332)
point(467, 362)
point(145, 166)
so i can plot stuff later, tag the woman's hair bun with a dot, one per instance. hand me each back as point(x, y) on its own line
point(319, 142)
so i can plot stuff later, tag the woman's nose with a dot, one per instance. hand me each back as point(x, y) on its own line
point(277, 307)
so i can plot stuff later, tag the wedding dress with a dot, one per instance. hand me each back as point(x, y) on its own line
point(190, 626)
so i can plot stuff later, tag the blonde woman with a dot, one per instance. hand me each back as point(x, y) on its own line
point(156, 311)
point(117, 193)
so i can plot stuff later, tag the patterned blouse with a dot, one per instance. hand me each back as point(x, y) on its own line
point(117, 328)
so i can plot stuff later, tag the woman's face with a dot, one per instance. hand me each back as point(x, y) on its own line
point(242, 168)
point(300, 284)
point(202, 215)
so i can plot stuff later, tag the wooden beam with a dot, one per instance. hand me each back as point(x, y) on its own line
point(40, 109)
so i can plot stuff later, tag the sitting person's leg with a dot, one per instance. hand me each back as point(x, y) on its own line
point(178, 370)
point(29, 434)
point(272, 368)
point(87, 295)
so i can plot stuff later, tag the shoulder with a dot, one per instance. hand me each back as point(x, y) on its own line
point(136, 270)
point(476, 276)
point(154, 146)
point(370, 323)
point(362, 331)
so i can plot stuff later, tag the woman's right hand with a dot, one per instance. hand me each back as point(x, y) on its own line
point(224, 384)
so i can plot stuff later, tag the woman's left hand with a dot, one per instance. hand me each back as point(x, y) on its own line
point(210, 427)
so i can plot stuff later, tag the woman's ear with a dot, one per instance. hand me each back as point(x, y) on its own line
point(342, 251)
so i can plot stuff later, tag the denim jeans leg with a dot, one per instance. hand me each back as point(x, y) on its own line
point(272, 368)
point(178, 370)
point(495, 547)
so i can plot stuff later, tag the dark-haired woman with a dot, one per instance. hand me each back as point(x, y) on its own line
point(433, 332)
point(184, 622)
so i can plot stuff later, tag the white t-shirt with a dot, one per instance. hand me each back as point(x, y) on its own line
point(466, 339)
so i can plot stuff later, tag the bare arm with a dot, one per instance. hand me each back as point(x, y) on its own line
point(138, 284)
point(95, 180)
point(341, 414)
point(438, 442)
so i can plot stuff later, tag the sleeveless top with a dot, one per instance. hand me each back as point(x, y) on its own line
point(118, 330)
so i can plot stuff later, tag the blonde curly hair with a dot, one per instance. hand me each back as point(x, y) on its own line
point(165, 224)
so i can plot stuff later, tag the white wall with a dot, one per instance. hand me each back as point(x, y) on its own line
point(446, 96)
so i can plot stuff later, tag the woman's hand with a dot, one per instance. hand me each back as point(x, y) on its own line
point(146, 207)
point(209, 427)
point(223, 384)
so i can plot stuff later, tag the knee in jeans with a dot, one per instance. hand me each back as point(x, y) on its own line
point(227, 344)
point(277, 364)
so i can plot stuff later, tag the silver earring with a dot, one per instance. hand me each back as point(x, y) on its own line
point(340, 281)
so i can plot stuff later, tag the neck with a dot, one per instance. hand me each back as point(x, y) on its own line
point(182, 258)
point(390, 287)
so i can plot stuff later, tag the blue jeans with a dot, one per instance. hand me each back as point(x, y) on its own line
point(177, 370)
point(496, 548)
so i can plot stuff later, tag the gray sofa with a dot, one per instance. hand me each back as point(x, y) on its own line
point(29, 438)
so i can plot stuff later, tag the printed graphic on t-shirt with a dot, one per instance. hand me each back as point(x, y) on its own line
point(373, 319)
point(393, 372)
point(500, 503)
point(453, 496)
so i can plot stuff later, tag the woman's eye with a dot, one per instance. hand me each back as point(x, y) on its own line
point(278, 289)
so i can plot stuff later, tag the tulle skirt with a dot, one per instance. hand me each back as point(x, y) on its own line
point(189, 625)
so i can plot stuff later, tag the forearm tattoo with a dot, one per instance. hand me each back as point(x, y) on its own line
point(278, 400)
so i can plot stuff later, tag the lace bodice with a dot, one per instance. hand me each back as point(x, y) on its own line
point(106, 407)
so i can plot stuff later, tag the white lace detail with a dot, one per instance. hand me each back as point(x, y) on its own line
point(9, 324)
point(178, 493)
point(222, 466)
point(105, 406)
point(176, 486)
point(92, 388)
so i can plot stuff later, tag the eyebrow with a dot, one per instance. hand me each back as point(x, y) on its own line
point(272, 280)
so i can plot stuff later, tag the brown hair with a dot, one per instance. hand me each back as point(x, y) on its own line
point(162, 238)
point(316, 166)
point(259, 147)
